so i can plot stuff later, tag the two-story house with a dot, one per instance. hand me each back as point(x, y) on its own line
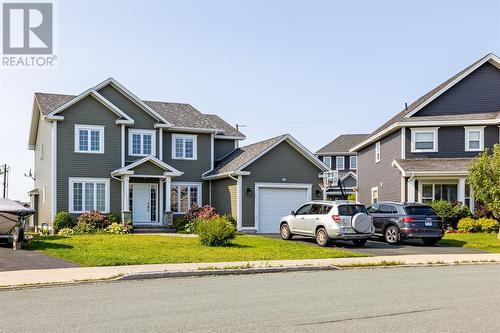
point(107, 150)
point(337, 156)
point(422, 153)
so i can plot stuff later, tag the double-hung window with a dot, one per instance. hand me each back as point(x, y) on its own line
point(353, 162)
point(88, 194)
point(474, 138)
point(141, 142)
point(377, 152)
point(184, 147)
point(339, 162)
point(184, 196)
point(424, 140)
point(89, 139)
point(328, 161)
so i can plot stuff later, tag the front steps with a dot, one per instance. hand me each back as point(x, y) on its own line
point(152, 229)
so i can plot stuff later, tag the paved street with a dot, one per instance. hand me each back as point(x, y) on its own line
point(377, 247)
point(430, 299)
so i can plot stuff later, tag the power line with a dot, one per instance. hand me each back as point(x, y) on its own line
point(313, 121)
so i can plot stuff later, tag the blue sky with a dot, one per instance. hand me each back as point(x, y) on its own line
point(315, 69)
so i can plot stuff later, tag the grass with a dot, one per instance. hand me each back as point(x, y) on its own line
point(111, 250)
point(481, 241)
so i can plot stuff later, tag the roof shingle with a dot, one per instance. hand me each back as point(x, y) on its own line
point(434, 164)
point(342, 144)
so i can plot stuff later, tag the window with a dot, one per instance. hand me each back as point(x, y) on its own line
point(377, 152)
point(387, 209)
point(339, 162)
point(89, 139)
point(424, 140)
point(328, 161)
point(141, 142)
point(419, 210)
point(88, 194)
point(184, 147)
point(474, 138)
point(351, 210)
point(373, 209)
point(432, 192)
point(304, 210)
point(184, 196)
point(374, 195)
point(353, 162)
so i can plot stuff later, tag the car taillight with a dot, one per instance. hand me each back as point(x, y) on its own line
point(409, 219)
point(336, 218)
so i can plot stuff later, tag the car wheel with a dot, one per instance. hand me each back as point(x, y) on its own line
point(322, 237)
point(391, 235)
point(431, 241)
point(359, 242)
point(285, 231)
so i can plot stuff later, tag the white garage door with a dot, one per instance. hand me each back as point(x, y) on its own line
point(275, 203)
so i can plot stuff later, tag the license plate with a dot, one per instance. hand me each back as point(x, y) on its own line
point(347, 230)
point(428, 223)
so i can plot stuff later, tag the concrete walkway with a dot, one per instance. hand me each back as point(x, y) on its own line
point(81, 274)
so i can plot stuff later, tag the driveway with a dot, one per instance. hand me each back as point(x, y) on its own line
point(11, 260)
point(379, 248)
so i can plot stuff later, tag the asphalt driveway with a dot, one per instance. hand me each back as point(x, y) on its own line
point(379, 248)
point(11, 260)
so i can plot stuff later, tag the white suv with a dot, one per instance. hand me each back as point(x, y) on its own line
point(325, 220)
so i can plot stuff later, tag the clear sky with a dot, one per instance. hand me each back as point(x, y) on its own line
point(314, 69)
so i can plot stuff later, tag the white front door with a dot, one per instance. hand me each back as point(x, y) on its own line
point(144, 203)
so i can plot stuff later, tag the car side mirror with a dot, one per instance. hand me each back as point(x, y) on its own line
point(293, 213)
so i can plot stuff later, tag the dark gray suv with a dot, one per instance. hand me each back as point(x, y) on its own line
point(395, 221)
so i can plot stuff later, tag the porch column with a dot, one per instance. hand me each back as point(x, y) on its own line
point(461, 190)
point(126, 216)
point(168, 182)
point(411, 190)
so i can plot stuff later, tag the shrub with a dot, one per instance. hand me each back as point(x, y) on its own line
point(200, 212)
point(180, 224)
point(468, 224)
point(114, 218)
point(65, 232)
point(488, 225)
point(62, 220)
point(451, 213)
point(230, 219)
point(94, 219)
point(117, 229)
point(480, 210)
point(215, 232)
point(84, 228)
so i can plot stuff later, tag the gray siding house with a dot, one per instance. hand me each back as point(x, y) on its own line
point(422, 153)
point(337, 156)
point(107, 150)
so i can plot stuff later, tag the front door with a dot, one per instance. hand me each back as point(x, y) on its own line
point(144, 203)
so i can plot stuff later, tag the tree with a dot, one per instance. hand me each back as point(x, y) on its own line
point(484, 178)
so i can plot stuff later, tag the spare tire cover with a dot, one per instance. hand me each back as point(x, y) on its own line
point(361, 223)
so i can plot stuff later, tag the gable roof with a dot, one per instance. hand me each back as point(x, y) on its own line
point(127, 170)
point(417, 105)
point(240, 158)
point(342, 144)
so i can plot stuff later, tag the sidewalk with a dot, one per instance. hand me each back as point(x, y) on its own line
point(85, 274)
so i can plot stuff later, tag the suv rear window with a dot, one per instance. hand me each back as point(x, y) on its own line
point(419, 210)
point(351, 210)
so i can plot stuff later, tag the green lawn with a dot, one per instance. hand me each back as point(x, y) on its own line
point(110, 250)
point(486, 242)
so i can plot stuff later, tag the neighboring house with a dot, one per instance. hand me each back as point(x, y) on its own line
point(337, 156)
point(422, 153)
point(108, 150)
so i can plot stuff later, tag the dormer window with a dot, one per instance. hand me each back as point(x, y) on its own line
point(424, 140)
point(474, 138)
point(141, 142)
point(184, 147)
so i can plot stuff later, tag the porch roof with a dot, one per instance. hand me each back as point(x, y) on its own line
point(432, 166)
point(131, 168)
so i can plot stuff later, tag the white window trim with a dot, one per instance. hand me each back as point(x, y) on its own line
point(329, 158)
point(180, 184)
point(350, 162)
point(72, 181)
point(433, 130)
point(479, 129)
point(378, 152)
point(131, 132)
point(89, 128)
point(372, 197)
point(337, 159)
point(195, 146)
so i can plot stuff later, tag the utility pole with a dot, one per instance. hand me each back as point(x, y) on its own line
point(5, 172)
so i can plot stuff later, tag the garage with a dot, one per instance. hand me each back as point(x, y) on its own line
point(274, 201)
